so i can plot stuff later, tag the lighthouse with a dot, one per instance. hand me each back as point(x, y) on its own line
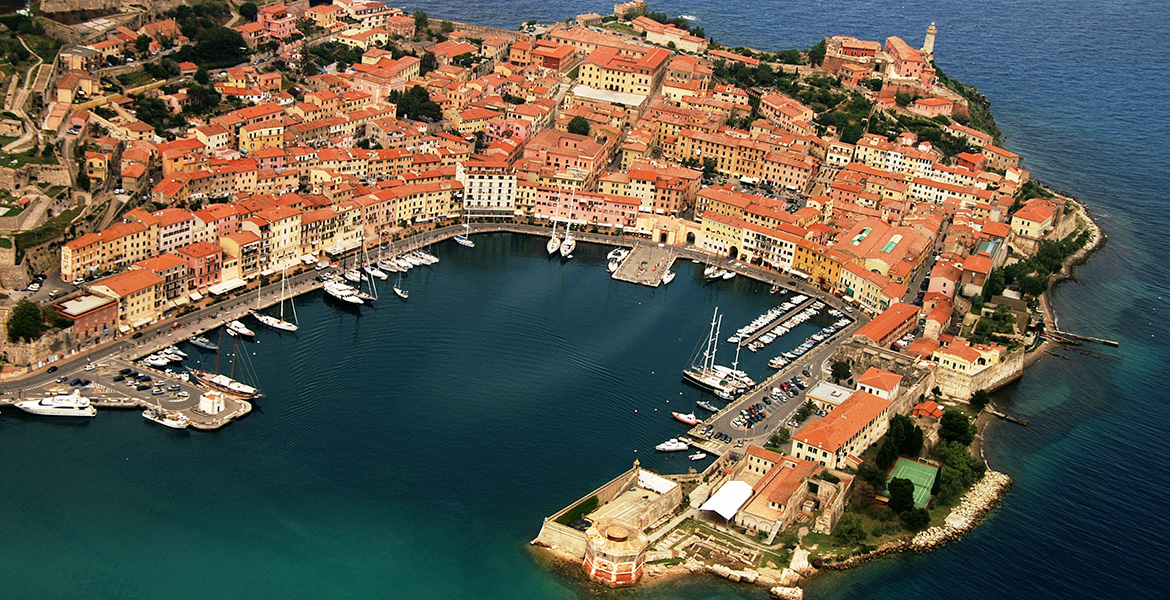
point(928, 44)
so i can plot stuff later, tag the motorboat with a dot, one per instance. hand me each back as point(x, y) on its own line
point(698, 456)
point(155, 360)
point(376, 272)
point(728, 274)
point(166, 418)
point(428, 257)
point(403, 264)
point(412, 260)
point(688, 418)
point(672, 445)
point(71, 405)
point(235, 327)
point(613, 265)
point(353, 275)
point(668, 276)
point(203, 344)
point(707, 406)
point(175, 351)
point(617, 254)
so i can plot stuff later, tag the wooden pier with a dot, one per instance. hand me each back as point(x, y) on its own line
point(1057, 335)
point(645, 265)
point(1007, 417)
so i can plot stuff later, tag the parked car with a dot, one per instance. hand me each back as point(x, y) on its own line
point(52, 369)
point(142, 387)
point(136, 335)
point(119, 378)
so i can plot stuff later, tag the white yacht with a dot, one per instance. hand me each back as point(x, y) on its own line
point(672, 445)
point(72, 405)
point(668, 276)
point(342, 292)
point(617, 254)
point(376, 272)
point(274, 322)
point(703, 374)
point(568, 245)
point(353, 275)
point(238, 328)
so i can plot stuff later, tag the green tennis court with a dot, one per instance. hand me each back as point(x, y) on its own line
point(922, 475)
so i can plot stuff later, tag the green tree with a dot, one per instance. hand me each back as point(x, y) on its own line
point(886, 456)
point(841, 371)
point(428, 63)
point(901, 494)
point(202, 99)
point(249, 10)
point(902, 98)
point(446, 27)
point(202, 76)
point(850, 530)
point(915, 518)
point(805, 410)
point(994, 285)
point(816, 54)
point(980, 399)
point(82, 177)
point(579, 126)
point(870, 474)
point(25, 322)
point(779, 438)
point(142, 44)
point(956, 427)
point(420, 20)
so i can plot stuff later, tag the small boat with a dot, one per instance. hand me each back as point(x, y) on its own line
point(728, 274)
point(203, 343)
point(668, 277)
point(707, 405)
point(166, 418)
point(175, 351)
point(401, 293)
point(403, 264)
point(553, 244)
point(376, 272)
point(613, 265)
point(617, 254)
point(412, 260)
point(688, 418)
point(428, 257)
point(273, 322)
point(672, 445)
point(72, 405)
point(388, 265)
point(698, 456)
point(462, 240)
point(775, 288)
point(353, 275)
point(238, 328)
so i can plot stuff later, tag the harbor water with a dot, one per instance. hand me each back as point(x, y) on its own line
point(410, 449)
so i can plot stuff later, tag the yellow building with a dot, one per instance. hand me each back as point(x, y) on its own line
point(259, 136)
point(138, 293)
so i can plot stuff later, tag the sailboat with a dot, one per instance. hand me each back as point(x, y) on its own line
point(669, 275)
point(398, 288)
point(223, 383)
point(464, 239)
point(570, 243)
point(554, 242)
point(272, 321)
point(703, 373)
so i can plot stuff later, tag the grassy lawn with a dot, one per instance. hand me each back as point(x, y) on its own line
point(55, 191)
point(620, 28)
point(10, 211)
point(17, 161)
point(45, 47)
point(134, 79)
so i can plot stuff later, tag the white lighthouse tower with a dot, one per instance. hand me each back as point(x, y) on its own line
point(928, 44)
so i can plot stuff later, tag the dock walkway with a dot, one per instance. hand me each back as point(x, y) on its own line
point(645, 265)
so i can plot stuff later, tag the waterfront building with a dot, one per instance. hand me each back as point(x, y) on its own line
point(90, 315)
point(489, 187)
point(175, 275)
point(840, 437)
point(138, 294)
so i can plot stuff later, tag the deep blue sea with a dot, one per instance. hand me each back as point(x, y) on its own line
point(411, 450)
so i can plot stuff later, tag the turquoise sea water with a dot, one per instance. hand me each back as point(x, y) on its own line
point(412, 450)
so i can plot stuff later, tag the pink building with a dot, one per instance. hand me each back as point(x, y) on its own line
point(277, 20)
point(204, 263)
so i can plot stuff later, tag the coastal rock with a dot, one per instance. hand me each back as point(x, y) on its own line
point(787, 593)
point(789, 578)
point(971, 509)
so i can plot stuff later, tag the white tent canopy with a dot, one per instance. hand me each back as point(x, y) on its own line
point(728, 499)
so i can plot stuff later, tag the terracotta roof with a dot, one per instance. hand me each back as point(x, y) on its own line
point(880, 379)
point(124, 284)
point(161, 262)
point(843, 422)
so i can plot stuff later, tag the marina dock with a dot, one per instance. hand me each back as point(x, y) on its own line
point(646, 265)
point(776, 322)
